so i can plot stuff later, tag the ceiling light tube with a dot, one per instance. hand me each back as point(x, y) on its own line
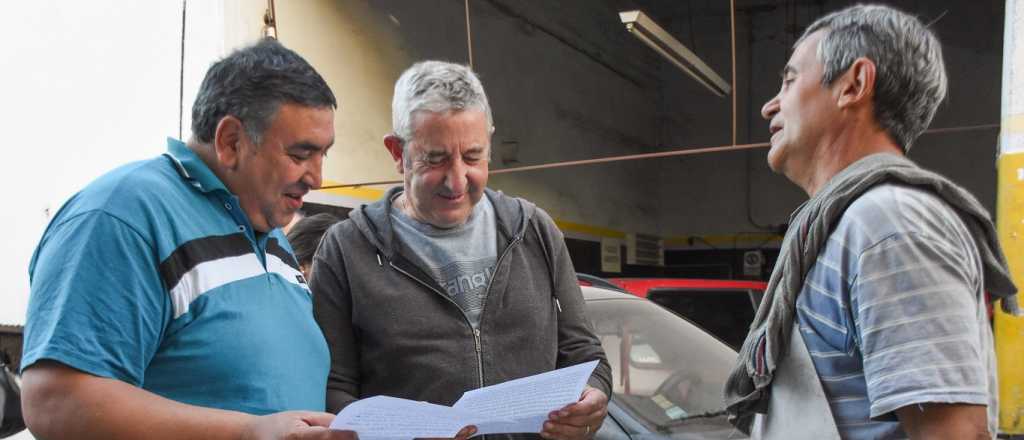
point(645, 29)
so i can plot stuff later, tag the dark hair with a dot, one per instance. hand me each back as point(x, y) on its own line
point(305, 235)
point(251, 83)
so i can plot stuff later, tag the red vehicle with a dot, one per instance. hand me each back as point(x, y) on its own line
point(725, 308)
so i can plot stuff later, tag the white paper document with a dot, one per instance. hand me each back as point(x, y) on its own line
point(520, 405)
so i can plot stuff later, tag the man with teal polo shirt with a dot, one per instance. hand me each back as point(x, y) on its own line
point(165, 302)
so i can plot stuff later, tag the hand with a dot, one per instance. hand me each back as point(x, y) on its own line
point(295, 425)
point(463, 434)
point(579, 420)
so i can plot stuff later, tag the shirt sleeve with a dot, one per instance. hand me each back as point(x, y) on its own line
point(916, 306)
point(97, 302)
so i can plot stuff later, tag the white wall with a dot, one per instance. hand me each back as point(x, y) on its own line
point(87, 86)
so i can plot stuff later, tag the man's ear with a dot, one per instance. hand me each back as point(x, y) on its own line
point(227, 141)
point(394, 145)
point(857, 85)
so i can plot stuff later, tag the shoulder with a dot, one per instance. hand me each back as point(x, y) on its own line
point(894, 210)
point(126, 193)
point(342, 230)
point(341, 237)
point(503, 203)
point(545, 222)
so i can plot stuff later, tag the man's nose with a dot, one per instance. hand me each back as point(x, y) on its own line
point(770, 108)
point(456, 179)
point(313, 177)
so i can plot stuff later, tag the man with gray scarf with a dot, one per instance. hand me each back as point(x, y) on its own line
point(879, 288)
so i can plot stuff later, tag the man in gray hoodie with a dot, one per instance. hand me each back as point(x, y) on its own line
point(445, 286)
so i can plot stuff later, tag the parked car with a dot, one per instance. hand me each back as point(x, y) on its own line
point(667, 373)
point(11, 421)
point(723, 307)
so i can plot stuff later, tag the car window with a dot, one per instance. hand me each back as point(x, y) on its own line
point(665, 369)
point(725, 313)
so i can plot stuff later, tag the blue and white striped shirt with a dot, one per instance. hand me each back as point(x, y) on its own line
point(893, 313)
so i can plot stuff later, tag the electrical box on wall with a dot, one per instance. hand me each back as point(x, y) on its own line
point(753, 264)
point(645, 250)
point(611, 255)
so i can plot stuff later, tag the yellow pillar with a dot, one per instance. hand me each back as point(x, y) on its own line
point(1009, 330)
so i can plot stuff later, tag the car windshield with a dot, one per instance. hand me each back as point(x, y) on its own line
point(666, 371)
point(725, 313)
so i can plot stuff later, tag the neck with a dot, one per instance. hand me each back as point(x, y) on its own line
point(840, 150)
point(209, 157)
point(401, 204)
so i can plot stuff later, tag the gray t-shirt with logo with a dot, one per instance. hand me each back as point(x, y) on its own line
point(460, 259)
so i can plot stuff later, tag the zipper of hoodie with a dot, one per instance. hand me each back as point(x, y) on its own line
point(476, 333)
point(478, 344)
point(483, 307)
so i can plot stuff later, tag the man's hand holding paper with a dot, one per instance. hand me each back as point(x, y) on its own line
point(578, 421)
point(521, 405)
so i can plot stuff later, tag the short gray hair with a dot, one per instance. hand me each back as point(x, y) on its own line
point(437, 87)
point(910, 82)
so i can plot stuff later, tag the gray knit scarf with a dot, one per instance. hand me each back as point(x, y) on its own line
point(749, 384)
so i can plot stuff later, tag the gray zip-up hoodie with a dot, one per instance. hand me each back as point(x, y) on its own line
point(392, 331)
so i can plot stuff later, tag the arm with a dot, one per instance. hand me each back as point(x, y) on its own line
point(920, 330)
point(96, 316)
point(61, 402)
point(332, 308)
point(577, 343)
point(935, 421)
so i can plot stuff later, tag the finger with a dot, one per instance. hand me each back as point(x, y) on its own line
point(559, 431)
point(593, 419)
point(321, 433)
point(465, 432)
point(317, 418)
point(583, 395)
point(592, 400)
point(581, 420)
point(342, 435)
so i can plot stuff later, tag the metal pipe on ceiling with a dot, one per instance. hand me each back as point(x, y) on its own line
point(469, 36)
point(270, 21)
point(672, 153)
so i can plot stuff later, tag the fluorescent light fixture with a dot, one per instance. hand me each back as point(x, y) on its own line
point(642, 27)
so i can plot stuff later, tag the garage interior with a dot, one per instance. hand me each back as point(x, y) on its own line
point(568, 82)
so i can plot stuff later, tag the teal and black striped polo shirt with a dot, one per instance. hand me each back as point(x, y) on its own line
point(153, 275)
